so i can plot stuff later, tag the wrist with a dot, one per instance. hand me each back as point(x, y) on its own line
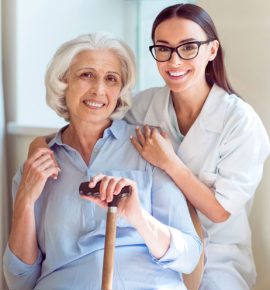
point(176, 168)
point(23, 201)
point(137, 219)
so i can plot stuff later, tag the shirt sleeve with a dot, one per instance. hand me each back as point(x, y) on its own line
point(169, 207)
point(18, 274)
point(243, 152)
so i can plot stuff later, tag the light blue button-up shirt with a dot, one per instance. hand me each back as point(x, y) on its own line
point(71, 230)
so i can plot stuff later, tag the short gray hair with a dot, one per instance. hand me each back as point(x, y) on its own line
point(55, 76)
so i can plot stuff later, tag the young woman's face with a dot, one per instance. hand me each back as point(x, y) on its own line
point(179, 74)
point(94, 84)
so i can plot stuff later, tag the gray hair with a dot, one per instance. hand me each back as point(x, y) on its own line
point(55, 76)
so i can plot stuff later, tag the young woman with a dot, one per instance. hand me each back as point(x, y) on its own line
point(217, 146)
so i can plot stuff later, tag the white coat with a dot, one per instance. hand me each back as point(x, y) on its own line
point(225, 148)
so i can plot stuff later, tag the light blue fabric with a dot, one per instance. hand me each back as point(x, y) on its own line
point(71, 230)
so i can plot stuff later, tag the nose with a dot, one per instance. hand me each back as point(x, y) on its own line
point(98, 88)
point(175, 58)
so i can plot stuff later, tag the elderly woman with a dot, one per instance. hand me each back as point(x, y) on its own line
point(57, 237)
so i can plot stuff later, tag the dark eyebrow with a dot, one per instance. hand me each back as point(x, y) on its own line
point(159, 41)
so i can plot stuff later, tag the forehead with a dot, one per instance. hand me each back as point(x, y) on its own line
point(177, 29)
point(97, 59)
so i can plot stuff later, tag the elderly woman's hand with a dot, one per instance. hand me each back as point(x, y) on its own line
point(36, 170)
point(128, 207)
point(39, 143)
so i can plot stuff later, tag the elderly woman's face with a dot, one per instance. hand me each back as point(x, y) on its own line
point(94, 84)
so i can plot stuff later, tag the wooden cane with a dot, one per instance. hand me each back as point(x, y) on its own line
point(110, 235)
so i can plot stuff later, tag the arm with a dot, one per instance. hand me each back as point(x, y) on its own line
point(168, 234)
point(155, 234)
point(157, 149)
point(39, 142)
point(22, 254)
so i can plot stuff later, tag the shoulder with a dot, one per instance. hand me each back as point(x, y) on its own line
point(145, 102)
point(223, 110)
point(242, 124)
point(146, 96)
point(239, 112)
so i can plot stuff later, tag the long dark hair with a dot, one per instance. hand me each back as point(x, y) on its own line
point(215, 71)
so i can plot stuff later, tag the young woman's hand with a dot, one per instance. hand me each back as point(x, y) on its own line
point(128, 207)
point(36, 170)
point(154, 146)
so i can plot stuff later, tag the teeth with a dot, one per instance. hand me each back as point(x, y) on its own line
point(177, 73)
point(93, 104)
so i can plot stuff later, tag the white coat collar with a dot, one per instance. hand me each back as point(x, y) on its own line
point(213, 111)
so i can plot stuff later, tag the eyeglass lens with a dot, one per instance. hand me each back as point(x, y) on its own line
point(185, 51)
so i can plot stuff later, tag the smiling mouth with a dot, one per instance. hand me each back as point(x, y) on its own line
point(94, 105)
point(177, 74)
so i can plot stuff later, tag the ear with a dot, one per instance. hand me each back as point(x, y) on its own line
point(214, 45)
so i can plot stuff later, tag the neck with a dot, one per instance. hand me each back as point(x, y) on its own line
point(188, 106)
point(83, 137)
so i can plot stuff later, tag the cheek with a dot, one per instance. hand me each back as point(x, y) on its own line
point(114, 94)
point(161, 67)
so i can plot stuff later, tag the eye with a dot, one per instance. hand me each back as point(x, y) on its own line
point(162, 49)
point(189, 46)
point(112, 78)
point(87, 75)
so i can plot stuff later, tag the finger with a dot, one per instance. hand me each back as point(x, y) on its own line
point(111, 189)
point(155, 132)
point(164, 134)
point(33, 164)
point(136, 144)
point(39, 152)
point(96, 200)
point(120, 184)
point(140, 136)
point(50, 171)
point(44, 164)
point(103, 187)
point(95, 179)
point(147, 131)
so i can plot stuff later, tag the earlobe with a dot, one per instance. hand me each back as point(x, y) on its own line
point(214, 49)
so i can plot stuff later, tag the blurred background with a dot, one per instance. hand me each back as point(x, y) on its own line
point(31, 31)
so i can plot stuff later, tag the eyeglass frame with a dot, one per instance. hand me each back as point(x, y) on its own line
point(175, 49)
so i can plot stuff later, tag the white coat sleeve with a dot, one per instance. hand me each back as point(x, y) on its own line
point(242, 154)
point(169, 207)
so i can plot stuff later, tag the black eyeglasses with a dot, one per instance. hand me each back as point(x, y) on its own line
point(185, 51)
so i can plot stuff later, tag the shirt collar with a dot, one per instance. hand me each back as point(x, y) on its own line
point(214, 109)
point(115, 130)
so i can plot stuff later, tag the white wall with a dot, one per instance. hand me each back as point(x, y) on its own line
point(3, 174)
point(33, 30)
point(244, 29)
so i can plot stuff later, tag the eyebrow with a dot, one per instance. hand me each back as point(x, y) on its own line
point(91, 68)
point(182, 41)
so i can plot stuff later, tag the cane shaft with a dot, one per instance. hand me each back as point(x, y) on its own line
point(108, 260)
